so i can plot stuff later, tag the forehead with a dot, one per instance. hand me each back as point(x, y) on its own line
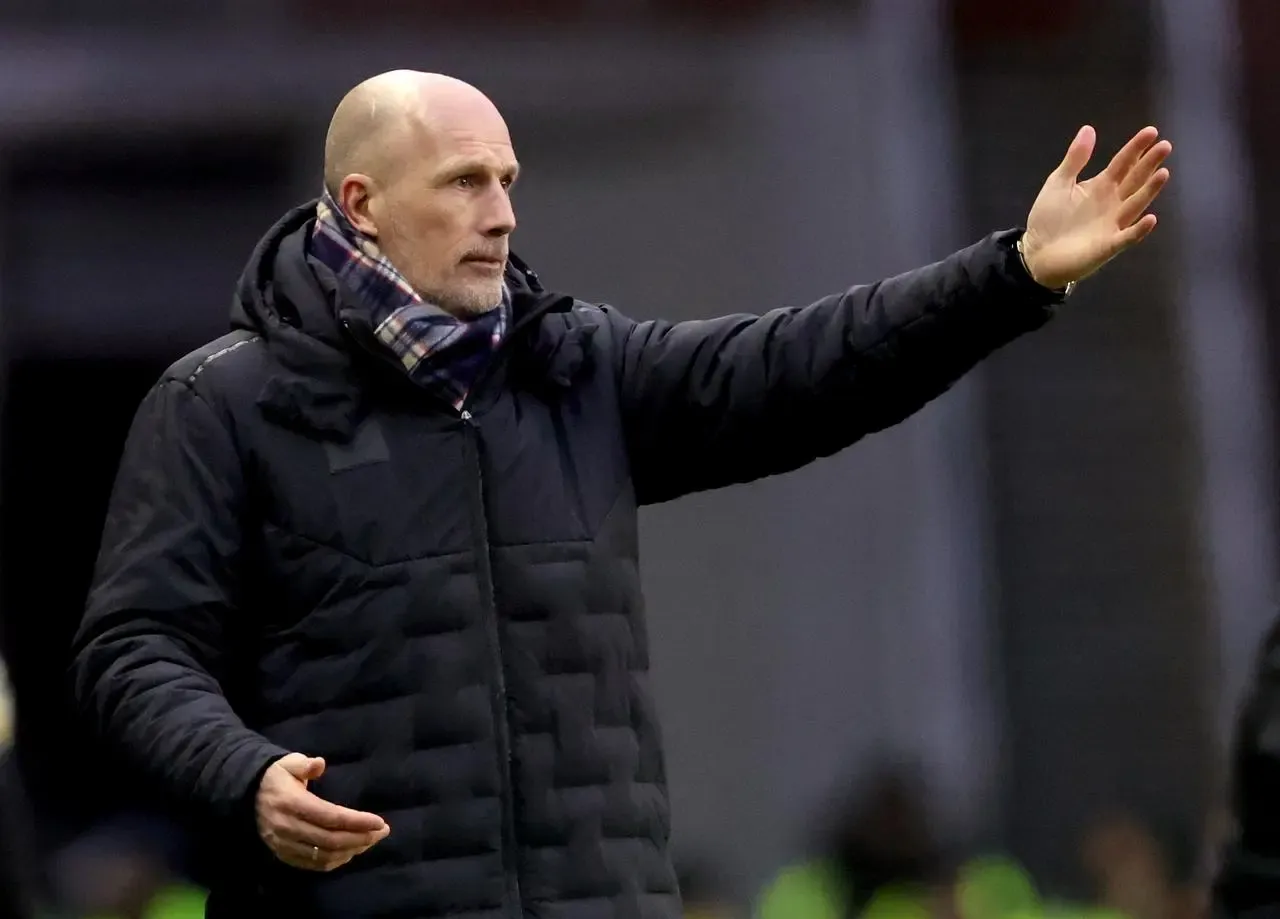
point(455, 150)
point(468, 132)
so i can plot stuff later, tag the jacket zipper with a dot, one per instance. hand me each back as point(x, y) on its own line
point(369, 343)
point(484, 563)
point(501, 716)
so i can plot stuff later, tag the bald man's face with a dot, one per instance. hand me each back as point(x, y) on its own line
point(441, 211)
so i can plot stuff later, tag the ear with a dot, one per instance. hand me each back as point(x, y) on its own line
point(356, 197)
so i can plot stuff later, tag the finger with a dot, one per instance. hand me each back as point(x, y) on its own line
point(1134, 234)
point(1146, 168)
point(306, 857)
point(347, 855)
point(1136, 204)
point(1078, 154)
point(298, 852)
point(1129, 154)
point(303, 768)
point(310, 835)
point(343, 857)
point(315, 769)
point(318, 812)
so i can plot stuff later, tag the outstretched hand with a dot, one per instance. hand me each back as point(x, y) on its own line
point(1075, 227)
point(304, 830)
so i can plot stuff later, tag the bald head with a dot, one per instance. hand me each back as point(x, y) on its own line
point(373, 126)
point(423, 163)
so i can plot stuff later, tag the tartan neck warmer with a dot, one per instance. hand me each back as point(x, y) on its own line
point(438, 351)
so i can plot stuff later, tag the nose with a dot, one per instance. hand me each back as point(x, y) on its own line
point(500, 218)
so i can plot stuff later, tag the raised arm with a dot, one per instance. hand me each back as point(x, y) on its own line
point(716, 402)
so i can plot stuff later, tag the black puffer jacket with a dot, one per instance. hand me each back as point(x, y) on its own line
point(1248, 883)
point(306, 552)
point(17, 861)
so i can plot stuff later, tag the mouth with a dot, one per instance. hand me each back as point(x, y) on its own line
point(485, 261)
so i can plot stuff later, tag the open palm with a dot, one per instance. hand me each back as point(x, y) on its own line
point(1075, 227)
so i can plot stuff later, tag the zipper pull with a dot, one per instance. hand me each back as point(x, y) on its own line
point(466, 415)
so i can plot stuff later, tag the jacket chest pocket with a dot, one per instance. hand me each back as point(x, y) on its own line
point(396, 492)
point(554, 468)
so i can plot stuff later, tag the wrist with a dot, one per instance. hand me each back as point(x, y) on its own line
point(1064, 292)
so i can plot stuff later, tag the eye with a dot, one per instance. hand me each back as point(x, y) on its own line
point(466, 181)
point(508, 181)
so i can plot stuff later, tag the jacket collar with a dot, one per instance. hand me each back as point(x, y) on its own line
point(325, 377)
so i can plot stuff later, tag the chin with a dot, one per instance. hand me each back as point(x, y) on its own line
point(479, 298)
point(473, 300)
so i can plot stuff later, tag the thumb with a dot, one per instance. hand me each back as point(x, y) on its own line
point(1078, 154)
point(303, 768)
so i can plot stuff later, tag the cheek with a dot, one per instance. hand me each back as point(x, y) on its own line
point(438, 232)
point(409, 234)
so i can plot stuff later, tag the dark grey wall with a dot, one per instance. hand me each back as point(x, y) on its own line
point(1104, 619)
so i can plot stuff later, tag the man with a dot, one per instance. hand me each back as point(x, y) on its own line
point(369, 576)
point(1248, 881)
point(16, 868)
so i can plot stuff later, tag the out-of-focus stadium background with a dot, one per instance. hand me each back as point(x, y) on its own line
point(1016, 626)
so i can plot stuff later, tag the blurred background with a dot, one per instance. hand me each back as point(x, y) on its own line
point(984, 664)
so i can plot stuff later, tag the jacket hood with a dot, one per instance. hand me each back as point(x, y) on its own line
point(296, 305)
point(282, 287)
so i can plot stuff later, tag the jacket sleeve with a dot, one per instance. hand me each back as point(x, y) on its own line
point(152, 651)
point(717, 402)
point(17, 888)
point(17, 862)
point(1248, 882)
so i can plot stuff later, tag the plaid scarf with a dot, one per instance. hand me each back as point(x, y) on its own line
point(438, 350)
